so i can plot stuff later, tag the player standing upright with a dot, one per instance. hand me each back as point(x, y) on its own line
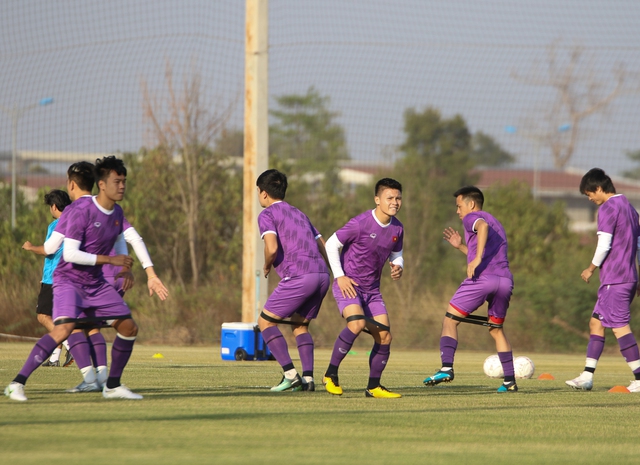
point(296, 250)
point(368, 242)
point(488, 279)
point(80, 289)
point(57, 201)
point(616, 255)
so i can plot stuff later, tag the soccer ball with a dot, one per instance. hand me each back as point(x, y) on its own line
point(523, 367)
point(492, 367)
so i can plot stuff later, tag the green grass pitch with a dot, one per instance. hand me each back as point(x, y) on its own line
point(200, 409)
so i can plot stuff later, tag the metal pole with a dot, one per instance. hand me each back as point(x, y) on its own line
point(14, 156)
point(256, 155)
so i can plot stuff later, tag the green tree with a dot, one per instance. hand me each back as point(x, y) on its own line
point(485, 151)
point(188, 175)
point(437, 160)
point(307, 144)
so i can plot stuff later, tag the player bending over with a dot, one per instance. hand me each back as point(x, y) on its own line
point(488, 279)
point(615, 255)
point(296, 250)
point(368, 242)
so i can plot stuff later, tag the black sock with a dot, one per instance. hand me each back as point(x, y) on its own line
point(113, 383)
point(373, 383)
point(331, 370)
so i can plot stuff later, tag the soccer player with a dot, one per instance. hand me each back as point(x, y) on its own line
point(488, 279)
point(357, 255)
point(57, 200)
point(296, 250)
point(80, 289)
point(615, 255)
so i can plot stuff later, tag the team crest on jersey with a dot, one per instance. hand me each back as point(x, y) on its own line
point(117, 223)
point(372, 235)
point(97, 224)
point(395, 239)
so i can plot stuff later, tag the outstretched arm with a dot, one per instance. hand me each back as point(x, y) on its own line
point(154, 284)
point(453, 237)
point(37, 249)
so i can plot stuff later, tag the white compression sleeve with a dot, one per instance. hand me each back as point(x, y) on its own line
point(602, 249)
point(132, 237)
point(54, 242)
point(396, 259)
point(72, 253)
point(120, 246)
point(333, 246)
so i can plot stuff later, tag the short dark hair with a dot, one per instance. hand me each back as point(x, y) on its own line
point(595, 178)
point(58, 198)
point(274, 183)
point(387, 183)
point(82, 174)
point(470, 193)
point(105, 165)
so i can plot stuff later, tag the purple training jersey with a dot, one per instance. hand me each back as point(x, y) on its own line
point(494, 260)
point(97, 232)
point(617, 217)
point(110, 271)
point(367, 245)
point(298, 252)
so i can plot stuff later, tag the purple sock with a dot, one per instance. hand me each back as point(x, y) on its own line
point(43, 349)
point(448, 346)
point(595, 347)
point(378, 360)
point(98, 347)
point(278, 346)
point(373, 353)
point(79, 348)
point(305, 349)
point(629, 348)
point(506, 359)
point(120, 354)
point(342, 346)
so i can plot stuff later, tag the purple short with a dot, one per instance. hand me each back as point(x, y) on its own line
point(117, 283)
point(301, 294)
point(612, 307)
point(493, 289)
point(99, 301)
point(371, 302)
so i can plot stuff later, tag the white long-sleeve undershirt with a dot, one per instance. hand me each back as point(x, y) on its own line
point(333, 246)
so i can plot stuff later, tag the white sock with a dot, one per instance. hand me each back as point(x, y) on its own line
point(446, 368)
point(308, 379)
point(586, 375)
point(89, 374)
point(55, 356)
point(65, 344)
point(101, 375)
point(290, 374)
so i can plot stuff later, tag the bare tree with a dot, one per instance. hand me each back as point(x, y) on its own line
point(578, 95)
point(184, 128)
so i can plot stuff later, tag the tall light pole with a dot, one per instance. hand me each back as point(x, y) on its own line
point(16, 113)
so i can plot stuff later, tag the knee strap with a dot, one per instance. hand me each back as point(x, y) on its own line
point(368, 320)
point(271, 319)
point(474, 320)
point(90, 322)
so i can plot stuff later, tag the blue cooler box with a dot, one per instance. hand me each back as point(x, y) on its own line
point(242, 341)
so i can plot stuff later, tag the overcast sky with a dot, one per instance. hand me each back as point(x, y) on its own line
point(373, 59)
